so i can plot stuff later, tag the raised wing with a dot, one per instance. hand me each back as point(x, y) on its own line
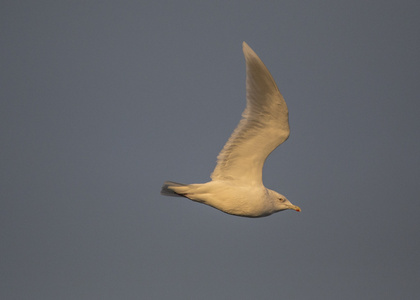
point(264, 126)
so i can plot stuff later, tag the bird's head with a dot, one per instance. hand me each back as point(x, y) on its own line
point(281, 202)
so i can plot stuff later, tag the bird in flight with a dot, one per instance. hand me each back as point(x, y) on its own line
point(236, 187)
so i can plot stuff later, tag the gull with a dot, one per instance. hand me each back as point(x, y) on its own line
point(236, 187)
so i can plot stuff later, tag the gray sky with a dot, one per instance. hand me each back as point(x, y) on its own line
point(101, 101)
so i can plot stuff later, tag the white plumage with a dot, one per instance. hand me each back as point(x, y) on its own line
point(236, 187)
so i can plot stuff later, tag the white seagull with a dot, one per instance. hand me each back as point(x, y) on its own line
point(236, 187)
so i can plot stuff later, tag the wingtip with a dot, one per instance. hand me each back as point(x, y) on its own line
point(245, 47)
point(247, 50)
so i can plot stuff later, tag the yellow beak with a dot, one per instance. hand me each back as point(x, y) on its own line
point(294, 207)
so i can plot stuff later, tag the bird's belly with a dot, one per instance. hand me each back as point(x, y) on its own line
point(238, 203)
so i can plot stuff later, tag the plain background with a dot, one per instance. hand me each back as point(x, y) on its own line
point(101, 101)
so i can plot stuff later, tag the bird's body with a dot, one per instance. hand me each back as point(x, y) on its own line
point(231, 198)
point(236, 187)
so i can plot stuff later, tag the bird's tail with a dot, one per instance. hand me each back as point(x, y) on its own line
point(168, 191)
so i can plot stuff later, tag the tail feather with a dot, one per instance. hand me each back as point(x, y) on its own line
point(167, 191)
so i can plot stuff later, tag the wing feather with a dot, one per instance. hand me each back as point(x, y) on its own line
point(264, 126)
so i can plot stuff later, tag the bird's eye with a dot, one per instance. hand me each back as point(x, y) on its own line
point(282, 200)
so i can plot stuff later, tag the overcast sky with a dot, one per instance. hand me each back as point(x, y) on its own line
point(102, 101)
